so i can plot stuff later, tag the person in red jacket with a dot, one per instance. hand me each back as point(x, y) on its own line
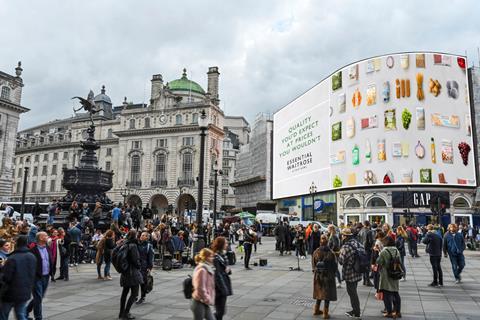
point(412, 240)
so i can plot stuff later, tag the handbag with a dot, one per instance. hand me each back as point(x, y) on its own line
point(149, 284)
point(379, 295)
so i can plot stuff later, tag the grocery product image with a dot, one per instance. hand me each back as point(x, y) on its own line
point(390, 120)
point(351, 179)
point(461, 62)
point(388, 177)
point(468, 125)
point(357, 98)
point(368, 151)
point(371, 95)
point(402, 88)
point(432, 150)
point(386, 92)
point(397, 88)
point(377, 62)
point(369, 177)
point(420, 94)
point(337, 182)
point(447, 151)
point(381, 154)
point(355, 156)
point(404, 61)
point(353, 73)
point(396, 149)
point(390, 62)
point(425, 175)
point(338, 157)
point(337, 131)
point(419, 150)
point(370, 66)
point(406, 118)
point(420, 117)
point(434, 87)
point(452, 121)
point(407, 176)
point(342, 103)
point(350, 123)
point(369, 123)
point(452, 89)
point(464, 149)
point(405, 149)
point(420, 60)
point(337, 81)
point(442, 59)
point(441, 178)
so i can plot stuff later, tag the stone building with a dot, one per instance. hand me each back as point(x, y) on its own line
point(10, 110)
point(153, 149)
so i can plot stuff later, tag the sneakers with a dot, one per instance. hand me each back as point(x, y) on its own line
point(350, 314)
point(99, 278)
point(458, 281)
point(140, 301)
point(339, 285)
point(433, 284)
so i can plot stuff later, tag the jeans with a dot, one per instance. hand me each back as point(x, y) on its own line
point(392, 301)
point(50, 219)
point(39, 289)
point(352, 293)
point(99, 267)
point(73, 252)
point(412, 248)
point(437, 269)
point(20, 310)
point(124, 304)
point(458, 263)
point(201, 311)
point(247, 246)
point(106, 270)
point(402, 259)
point(220, 302)
point(282, 246)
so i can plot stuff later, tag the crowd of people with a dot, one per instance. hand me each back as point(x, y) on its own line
point(32, 256)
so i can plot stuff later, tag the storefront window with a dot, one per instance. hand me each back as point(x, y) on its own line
point(352, 203)
point(460, 203)
point(376, 202)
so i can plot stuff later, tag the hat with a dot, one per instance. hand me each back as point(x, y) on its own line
point(347, 232)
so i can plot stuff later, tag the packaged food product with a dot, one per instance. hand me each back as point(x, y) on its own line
point(386, 92)
point(368, 151)
point(407, 175)
point(420, 94)
point(388, 177)
point(405, 149)
point(441, 178)
point(370, 66)
point(406, 118)
point(425, 175)
point(337, 131)
point(404, 61)
point(420, 115)
point(420, 60)
point(337, 81)
point(441, 59)
point(368, 123)
point(371, 95)
point(337, 182)
point(397, 88)
point(402, 88)
point(419, 150)
point(432, 150)
point(377, 63)
point(351, 179)
point(338, 157)
point(350, 127)
point(397, 149)
point(461, 63)
point(390, 119)
point(407, 88)
point(342, 103)
point(355, 155)
point(390, 62)
point(468, 125)
point(369, 177)
point(464, 149)
point(381, 154)
point(353, 73)
point(452, 89)
point(447, 151)
point(434, 87)
point(357, 98)
point(439, 120)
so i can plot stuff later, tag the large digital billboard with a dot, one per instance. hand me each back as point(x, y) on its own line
point(389, 120)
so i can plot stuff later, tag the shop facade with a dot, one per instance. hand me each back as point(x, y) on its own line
point(403, 205)
point(324, 208)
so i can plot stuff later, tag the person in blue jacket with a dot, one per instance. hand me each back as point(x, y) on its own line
point(454, 244)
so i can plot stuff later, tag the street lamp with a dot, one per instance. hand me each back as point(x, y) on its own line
point(313, 190)
point(216, 172)
point(24, 191)
point(203, 125)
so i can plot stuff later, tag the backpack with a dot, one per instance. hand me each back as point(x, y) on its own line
point(394, 268)
point(188, 287)
point(120, 258)
point(361, 263)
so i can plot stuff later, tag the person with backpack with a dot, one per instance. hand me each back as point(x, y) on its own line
point(223, 284)
point(434, 249)
point(354, 261)
point(324, 264)
point(391, 272)
point(203, 282)
point(454, 245)
point(126, 260)
point(145, 250)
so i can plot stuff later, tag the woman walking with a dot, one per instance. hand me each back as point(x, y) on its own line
point(203, 281)
point(104, 255)
point(223, 285)
point(314, 239)
point(388, 285)
point(400, 244)
point(334, 245)
point(300, 241)
point(324, 265)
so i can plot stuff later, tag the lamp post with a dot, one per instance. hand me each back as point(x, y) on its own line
point(24, 191)
point(215, 186)
point(313, 190)
point(203, 125)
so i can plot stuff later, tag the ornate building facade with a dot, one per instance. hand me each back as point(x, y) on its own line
point(153, 149)
point(10, 110)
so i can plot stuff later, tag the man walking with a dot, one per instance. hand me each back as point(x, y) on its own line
point(145, 250)
point(44, 270)
point(454, 244)
point(280, 233)
point(75, 237)
point(412, 240)
point(116, 213)
point(348, 254)
point(19, 277)
point(434, 249)
point(367, 237)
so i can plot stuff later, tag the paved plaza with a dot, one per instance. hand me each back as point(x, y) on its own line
point(272, 292)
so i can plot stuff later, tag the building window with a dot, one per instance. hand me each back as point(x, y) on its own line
point(64, 166)
point(37, 157)
point(60, 137)
point(44, 170)
point(376, 202)
point(35, 171)
point(161, 143)
point(460, 202)
point(45, 157)
point(18, 187)
point(187, 141)
point(55, 156)
point(178, 119)
point(135, 169)
point(108, 166)
point(5, 93)
point(52, 186)
point(160, 167)
point(136, 144)
point(65, 156)
point(54, 169)
point(195, 118)
point(34, 186)
point(225, 163)
point(352, 203)
point(187, 166)
point(224, 191)
point(147, 123)
point(50, 139)
point(43, 186)
point(109, 133)
point(19, 174)
point(225, 153)
point(109, 152)
point(226, 172)
point(225, 183)
point(20, 160)
point(132, 124)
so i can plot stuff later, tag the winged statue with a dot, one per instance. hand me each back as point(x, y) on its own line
point(88, 105)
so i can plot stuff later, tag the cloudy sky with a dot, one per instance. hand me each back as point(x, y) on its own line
point(268, 52)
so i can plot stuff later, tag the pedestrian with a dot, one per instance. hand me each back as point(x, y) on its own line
point(280, 233)
point(116, 214)
point(348, 254)
point(43, 272)
point(259, 227)
point(145, 249)
point(132, 278)
point(5, 247)
point(18, 277)
point(412, 234)
point(388, 231)
point(454, 245)
point(388, 285)
point(314, 239)
point(334, 245)
point(434, 249)
point(400, 245)
point(300, 241)
point(97, 214)
point(52, 209)
point(203, 281)
point(324, 264)
point(75, 237)
point(368, 236)
point(104, 255)
point(63, 245)
point(223, 284)
point(248, 240)
point(147, 214)
point(54, 250)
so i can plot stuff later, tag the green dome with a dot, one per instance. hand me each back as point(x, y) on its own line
point(184, 84)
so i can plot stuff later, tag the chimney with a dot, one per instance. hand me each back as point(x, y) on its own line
point(212, 89)
point(157, 86)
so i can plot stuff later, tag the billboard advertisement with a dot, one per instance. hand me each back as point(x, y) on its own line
point(396, 119)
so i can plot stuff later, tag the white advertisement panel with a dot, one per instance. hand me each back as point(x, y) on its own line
point(390, 120)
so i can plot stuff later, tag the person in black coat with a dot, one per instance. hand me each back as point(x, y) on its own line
point(314, 239)
point(19, 277)
point(434, 249)
point(145, 250)
point(223, 285)
point(132, 278)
